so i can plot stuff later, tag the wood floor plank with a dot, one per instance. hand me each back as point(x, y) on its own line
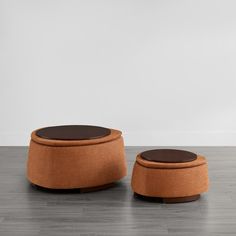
point(25, 210)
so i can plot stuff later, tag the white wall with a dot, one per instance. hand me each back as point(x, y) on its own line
point(164, 72)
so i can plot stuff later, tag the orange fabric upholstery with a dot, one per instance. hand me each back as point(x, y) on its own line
point(61, 164)
point(170, 180)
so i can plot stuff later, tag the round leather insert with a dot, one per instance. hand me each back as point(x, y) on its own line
point(73, 132)
point(168, 156)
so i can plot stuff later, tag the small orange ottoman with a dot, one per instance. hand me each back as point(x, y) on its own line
point(169, 175)
point(75, 156)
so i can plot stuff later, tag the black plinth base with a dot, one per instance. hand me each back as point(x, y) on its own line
point(74, 190)
point(168, 200)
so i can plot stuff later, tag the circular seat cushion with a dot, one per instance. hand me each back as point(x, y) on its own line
point(67, 136)
point(168, 155)
point(73, 132)
point(169, 159)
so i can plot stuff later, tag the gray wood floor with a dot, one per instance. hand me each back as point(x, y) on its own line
point(25, 210)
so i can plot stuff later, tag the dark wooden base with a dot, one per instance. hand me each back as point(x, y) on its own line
point(168, 200)
point(181, 199)
point(74, 190)
point(97, 188)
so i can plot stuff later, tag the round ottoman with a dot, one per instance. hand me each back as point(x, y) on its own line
point(75, 156)
point(170, 175)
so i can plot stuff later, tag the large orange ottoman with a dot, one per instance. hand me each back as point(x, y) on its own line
point(75, 156)
point(169, 175)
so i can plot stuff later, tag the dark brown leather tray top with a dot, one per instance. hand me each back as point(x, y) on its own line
point(168, 156)
point(73, 132)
